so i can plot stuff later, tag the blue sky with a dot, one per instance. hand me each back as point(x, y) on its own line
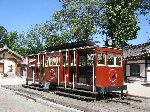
point(20, 15)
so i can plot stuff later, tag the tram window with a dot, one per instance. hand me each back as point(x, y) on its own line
point(58, 60)
point(90, 58)
point(46, 62)
point(72, 60)
point(54, 60)
point(82, 61)
point(101, 58)
point(118, 60)
point(50, 61)
point(65, 60)
point(110, 59)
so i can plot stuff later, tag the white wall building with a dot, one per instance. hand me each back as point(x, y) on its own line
point(10, 62)
point(137, 61)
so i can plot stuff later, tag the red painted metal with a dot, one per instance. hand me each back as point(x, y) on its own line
point(76, 78)
point(28, 69)
point(40, 62)
point(104, 75)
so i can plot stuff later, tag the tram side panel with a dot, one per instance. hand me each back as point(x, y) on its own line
point(53, 74)
point(66, 64)
point(41, 68)
point(61, 79)
point(109, 72)
point(109, 76)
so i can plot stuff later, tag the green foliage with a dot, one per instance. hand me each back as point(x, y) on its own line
point(51, 32)
point(44, 35)
point(120, 19)
point(117, 19)
point(79, 18)
point(13, 40)
point(21, 45)
point(33, 40)
point(143, 6)
point(3, 36)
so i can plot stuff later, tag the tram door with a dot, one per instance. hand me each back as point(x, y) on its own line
point(89, 68)
point(85, 67)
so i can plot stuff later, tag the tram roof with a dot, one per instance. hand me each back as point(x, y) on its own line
point(70, 45)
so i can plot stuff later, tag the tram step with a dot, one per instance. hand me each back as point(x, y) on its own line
point(36, 88)
point(74, 95)
point(32, 87)
point(77, 90)
point(25, 86)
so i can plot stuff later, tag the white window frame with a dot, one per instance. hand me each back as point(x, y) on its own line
point(115, 62)
point(105, 59)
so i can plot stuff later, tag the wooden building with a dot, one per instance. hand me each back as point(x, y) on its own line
point(10, 62)
point(137, 60)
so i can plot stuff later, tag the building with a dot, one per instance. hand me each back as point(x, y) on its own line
point(10, 62)
point(137, 59)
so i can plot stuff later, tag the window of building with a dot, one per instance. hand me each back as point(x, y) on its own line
point(135, 70)
point(101, 58)
point(10, 68)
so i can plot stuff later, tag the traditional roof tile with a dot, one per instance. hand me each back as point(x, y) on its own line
point(5, 48)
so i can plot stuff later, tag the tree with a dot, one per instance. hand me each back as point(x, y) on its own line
point(33, 40)
point(79, 18)
point(120, 20)
point(51, 32)
point(11, 40)
point(3, 36)
point(14, 41)
point(21, 45)
point(44, 35)
point(115, 19)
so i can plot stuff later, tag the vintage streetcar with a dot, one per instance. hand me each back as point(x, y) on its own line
point(78, 66)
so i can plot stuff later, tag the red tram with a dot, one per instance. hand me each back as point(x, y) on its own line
point(80, 65)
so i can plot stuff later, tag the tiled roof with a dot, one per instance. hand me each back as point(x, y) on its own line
point(137, 50)
point(6, 48)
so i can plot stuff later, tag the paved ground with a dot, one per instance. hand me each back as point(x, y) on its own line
point(10, 102)
point(139, 89)
point(12, 81)
point(136, 88)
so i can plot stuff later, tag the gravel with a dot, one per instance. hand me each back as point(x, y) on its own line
point(97, 106)
point(101, 106)
point(10, 102)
